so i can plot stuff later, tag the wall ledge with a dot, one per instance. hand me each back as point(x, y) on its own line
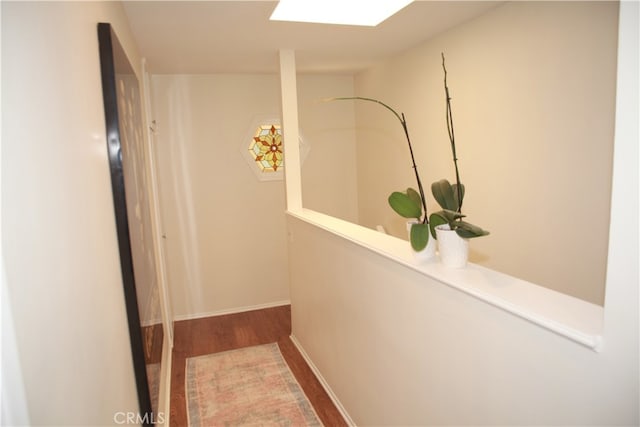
point(567, 316)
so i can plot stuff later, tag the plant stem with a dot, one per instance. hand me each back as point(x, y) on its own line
point(403, 122)
point(452, 137)
point(371, 100)
point(415, 170)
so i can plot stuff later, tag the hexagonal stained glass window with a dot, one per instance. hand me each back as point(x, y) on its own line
point(266, 148)
point(262, 147)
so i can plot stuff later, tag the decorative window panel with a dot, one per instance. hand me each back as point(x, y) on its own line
point(266, 148)
point(263, 148)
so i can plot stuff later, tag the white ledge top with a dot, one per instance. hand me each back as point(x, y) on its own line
point(573, 318)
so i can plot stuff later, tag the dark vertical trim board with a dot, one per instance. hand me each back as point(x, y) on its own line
point(114, 147)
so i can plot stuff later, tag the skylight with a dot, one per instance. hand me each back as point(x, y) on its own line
point(343, 12)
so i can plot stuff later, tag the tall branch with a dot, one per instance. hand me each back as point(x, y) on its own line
point(415, 170)
point(452, 137)
point(403, 122)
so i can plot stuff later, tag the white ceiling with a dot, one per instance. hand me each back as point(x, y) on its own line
point(194, 37)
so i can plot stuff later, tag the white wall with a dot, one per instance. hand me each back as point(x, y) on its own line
point(399, 348)
point(225, 229)
point(59, 240)
point(533, 88)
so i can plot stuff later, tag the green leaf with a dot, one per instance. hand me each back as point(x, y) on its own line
point(457, 202)
point(436, 219)
point(443, 193)
point(469, 231)
point(404, 206)
point(415, 196)
point(419, 236)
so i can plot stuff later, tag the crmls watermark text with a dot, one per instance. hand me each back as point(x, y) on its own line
point(138, 418)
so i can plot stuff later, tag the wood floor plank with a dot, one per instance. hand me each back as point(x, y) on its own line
point(229, 332)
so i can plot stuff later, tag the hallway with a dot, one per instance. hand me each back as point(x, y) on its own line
point(400, 342)
point(228, 332)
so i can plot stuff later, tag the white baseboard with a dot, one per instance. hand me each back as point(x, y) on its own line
point(323, 382)
point(150, 322)
point(193, 316)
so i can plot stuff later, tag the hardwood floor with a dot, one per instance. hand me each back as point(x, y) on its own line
point(221, 333)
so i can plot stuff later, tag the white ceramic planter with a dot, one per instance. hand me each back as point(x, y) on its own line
point(428, 252)
point(454, 250)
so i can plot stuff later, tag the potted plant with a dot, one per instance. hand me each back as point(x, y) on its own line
point(411, 203)
point(447, 225)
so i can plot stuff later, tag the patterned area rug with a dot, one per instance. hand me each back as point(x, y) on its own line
point(249, 386)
